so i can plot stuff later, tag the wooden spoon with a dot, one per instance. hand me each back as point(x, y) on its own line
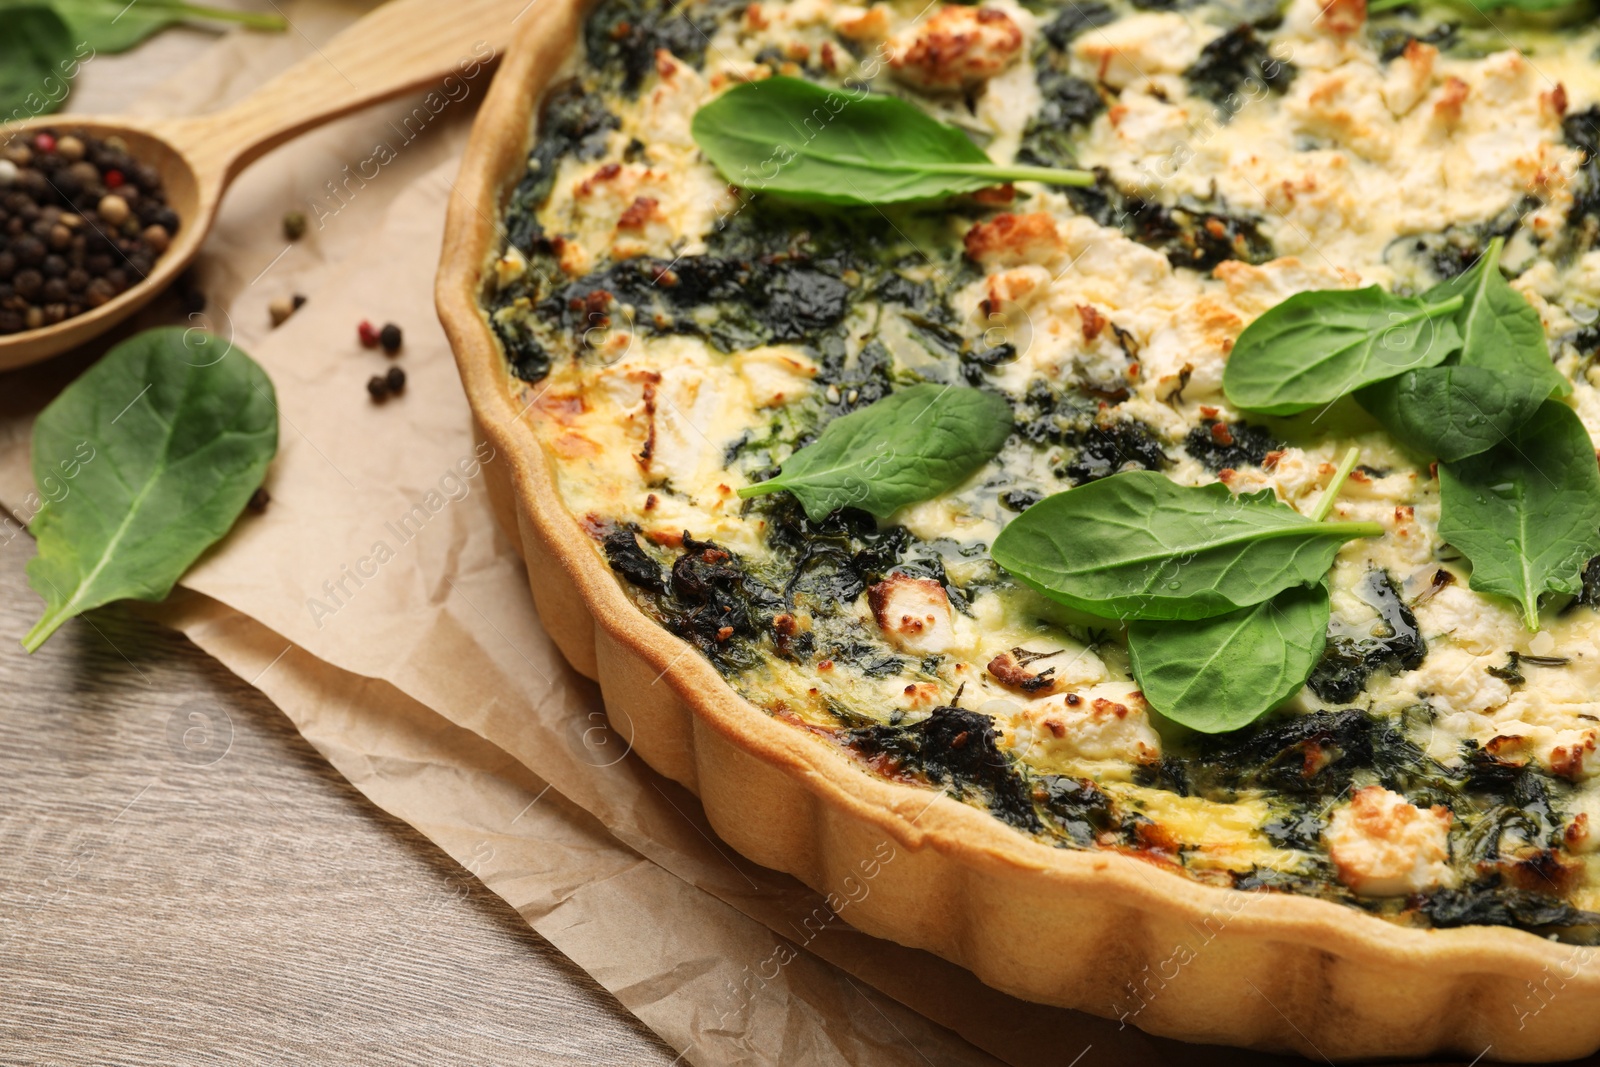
point(403, 46)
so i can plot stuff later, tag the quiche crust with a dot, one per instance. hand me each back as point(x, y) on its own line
point(1090, 930)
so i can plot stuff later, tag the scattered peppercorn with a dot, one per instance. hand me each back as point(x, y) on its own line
point(294, 225)
point(279, 310)
point(395, 379)
point(390, 338)
point(367, 334)
point(378, 387)
point(191, 300)
point(259, 499)
point(80, 221)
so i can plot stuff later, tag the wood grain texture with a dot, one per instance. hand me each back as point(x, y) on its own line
point(184, 880)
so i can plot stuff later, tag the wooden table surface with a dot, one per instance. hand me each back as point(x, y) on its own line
point(238, 901)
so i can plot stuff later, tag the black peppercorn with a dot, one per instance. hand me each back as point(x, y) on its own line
point(80, 221)
point(389, 337)
point(29, 250)
point(395, 379)
point(99, 292)
point(378, 387)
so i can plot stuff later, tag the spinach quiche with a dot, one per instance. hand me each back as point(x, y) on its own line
point(1121, 450)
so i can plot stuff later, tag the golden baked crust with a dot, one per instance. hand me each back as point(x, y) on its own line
point(1099, 932)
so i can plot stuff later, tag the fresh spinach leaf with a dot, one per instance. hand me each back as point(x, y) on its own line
point(910, 446)
point(1138, 546)
point(35, 52)
point(1493, 385)
point(1222, 673)
point(846, 146)
point(1317, 346)
point(1452, 412)
point(181, 428)
point(1498, 327)
point(1527, 511)
point(109, 26)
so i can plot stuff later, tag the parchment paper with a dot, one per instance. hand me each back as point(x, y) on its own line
point(376, 602)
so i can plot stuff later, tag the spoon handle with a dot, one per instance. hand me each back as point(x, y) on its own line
point(401, 47)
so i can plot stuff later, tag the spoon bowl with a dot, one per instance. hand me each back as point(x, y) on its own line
point(186, 195)
point(401, 47)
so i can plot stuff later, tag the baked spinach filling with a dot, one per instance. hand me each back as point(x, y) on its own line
point(621, 37)
point(1221, 446)
point(1069, 102)
point(849, 287)
point(1193, 234)
point(775, 274)
point(1509, 813)
point(1393, 644)
point(1238, 61)
point(1582, 131)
